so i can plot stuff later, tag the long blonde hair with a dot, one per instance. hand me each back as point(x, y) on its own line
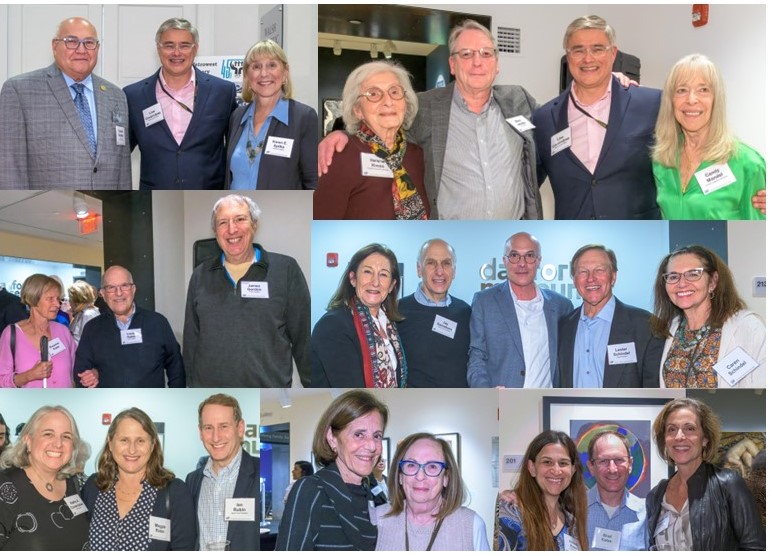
point(668, 135)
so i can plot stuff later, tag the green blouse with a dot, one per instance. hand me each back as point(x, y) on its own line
point(732, 202)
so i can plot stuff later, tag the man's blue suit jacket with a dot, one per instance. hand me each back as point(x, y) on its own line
point(622, 187)
point(243, 535)
point(496, 348)
point(199, 161)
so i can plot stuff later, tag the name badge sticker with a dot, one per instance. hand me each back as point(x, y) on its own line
point(560, 141)
point(570, 543)
point(520, 123)
point(254, 290)
point(621, 354)
point(160, 529)
point(55, 347)
point(605, 539)
point(239, 509)
point(153, 114)
point(279, 146)
point(120, 136)
point(375, 167)
point(131, 336)
point(714, 178)
point(734, 367)
point(444, 326)
point(76, 504)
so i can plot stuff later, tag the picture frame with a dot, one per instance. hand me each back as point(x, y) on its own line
point(582, 418)
point(454, 439)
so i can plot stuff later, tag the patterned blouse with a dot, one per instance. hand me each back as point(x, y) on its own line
point(111, 532)
point(511, 534)
point(689, 363)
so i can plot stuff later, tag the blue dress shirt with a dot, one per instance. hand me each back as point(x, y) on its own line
point(245, 174)
point(629, 518)
point(88, 92)
point(590, 346)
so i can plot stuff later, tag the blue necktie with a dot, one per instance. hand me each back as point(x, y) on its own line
point(81, 104)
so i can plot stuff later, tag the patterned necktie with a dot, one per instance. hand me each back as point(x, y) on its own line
point(81, 104)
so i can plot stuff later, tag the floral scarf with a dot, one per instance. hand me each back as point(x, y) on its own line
point(408, 204)
point(375, 354)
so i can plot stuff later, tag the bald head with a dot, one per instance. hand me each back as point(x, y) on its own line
point(436, 265)
point(523, 239)
point(77, 63)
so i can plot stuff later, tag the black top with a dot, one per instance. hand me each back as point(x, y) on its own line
point(28, 521)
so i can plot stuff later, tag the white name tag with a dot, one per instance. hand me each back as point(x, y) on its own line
point(560, 141)
point(375, 167)
point(160, 529)
point(605, 539)
point(444, 326)
point(621, 354)
point(153, 114)
point(734, 367)
point(520, 123)
point(131, 336)
point(120, 136)
point(239, 509)
point(76, 505)
point(714, 178)
point(55, 347)
point(662, 524)
point(570, 543)
point(279, 146)
point(257, 290)
point(376, 490)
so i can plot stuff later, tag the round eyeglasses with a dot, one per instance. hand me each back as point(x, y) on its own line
point(374, 94)
point(431, 468)
point(515, 257)
point(691, 275)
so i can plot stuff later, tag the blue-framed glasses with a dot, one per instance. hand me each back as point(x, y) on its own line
point(431, 468)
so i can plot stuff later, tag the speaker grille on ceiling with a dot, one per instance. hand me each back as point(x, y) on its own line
point(508, 39)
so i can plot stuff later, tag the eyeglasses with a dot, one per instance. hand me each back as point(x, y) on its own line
point(692, 275)
point(113, 289)
point(606, 463)
point(486, 53)
point(579, 52)
point(374, 94)
point(183, 47)
point(236, 221)
point(515, 257)
point(72, 43)
point(431, 468)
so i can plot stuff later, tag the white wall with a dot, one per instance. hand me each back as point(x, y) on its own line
point(748, 260)
point(178, 409)
point(471, 413)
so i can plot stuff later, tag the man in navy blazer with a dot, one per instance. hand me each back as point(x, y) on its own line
point(598, 164)
point(226, 489)
point(179, 116)
point(513, 321)
point(605, 343)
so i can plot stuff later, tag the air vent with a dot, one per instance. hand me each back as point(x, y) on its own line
point(508, 40)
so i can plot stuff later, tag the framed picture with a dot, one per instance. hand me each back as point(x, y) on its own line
point(333, 108)
point(583, 418)
point(452, 438)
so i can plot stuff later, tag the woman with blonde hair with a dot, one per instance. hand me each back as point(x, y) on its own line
point(82, 298)
point(271, 138)
point(702, 171)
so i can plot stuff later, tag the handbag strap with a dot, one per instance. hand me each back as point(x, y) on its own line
point(13, 347)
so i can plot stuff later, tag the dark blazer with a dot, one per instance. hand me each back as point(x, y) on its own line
point(622, 187)
point(42, 141)
point(180, 512)
point(336, 356)
point(11, 309)
point(276, 172)
point(243, 535)
point(430, 131)
point(199, 161)
point(629, 324)
point(722, 511)
point(496, 348)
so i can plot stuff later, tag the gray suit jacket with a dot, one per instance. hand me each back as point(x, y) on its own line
point(629, 324)
point(430, 130)
point(42, 141)
point(496, 348)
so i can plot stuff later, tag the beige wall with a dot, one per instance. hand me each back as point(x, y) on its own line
point(17, 245)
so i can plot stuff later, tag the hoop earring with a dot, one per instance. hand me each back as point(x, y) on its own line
point(712, 294)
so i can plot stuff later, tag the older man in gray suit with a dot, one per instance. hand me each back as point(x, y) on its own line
point(62, 127)
point(513, 322)
point(479, 153)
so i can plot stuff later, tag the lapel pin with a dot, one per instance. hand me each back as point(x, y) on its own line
point(103, 87)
